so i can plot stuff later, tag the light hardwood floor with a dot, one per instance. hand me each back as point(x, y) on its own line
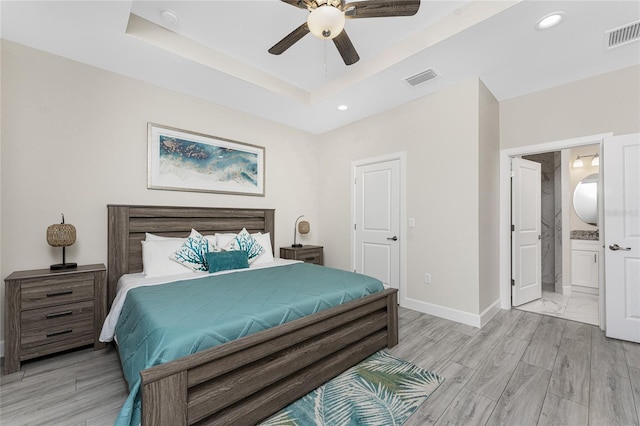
point(520, 369)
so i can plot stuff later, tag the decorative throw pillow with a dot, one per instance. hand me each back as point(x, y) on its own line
point(245, 242)
point(267, 254)
point(226, 260)
point(192, 253)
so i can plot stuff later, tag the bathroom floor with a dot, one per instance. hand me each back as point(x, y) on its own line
point(579, 307)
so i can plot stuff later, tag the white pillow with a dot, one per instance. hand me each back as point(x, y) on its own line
point(154, 237)
point(267, 254)
point(223, 240)
point(155, 258)
point(213, 241)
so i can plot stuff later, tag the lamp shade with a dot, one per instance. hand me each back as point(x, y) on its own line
point(303, 227)
point(61, 235)
point(596, 160)
point(578, 163)
point(326, 22)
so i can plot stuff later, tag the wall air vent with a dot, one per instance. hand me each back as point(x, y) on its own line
point(421, 77)
point(622, 35)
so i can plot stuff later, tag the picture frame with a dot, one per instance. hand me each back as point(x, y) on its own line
point(181, 160)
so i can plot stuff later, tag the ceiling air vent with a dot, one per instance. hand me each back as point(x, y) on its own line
point(421, 77)
point(622, 35)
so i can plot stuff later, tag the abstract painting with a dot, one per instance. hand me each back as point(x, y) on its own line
point(180, 160)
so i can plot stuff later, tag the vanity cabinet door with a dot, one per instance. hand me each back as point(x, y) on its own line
point(584, 268)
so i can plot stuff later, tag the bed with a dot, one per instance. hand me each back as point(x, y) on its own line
point(262, 372)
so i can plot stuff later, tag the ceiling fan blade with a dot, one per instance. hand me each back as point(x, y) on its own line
point(381, 8)
point(290, 39)
point(346, 49)
point(296, 3)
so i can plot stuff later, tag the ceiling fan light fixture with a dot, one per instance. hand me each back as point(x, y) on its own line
point(326, 22)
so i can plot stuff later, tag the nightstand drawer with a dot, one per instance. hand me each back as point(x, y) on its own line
point(53, 345)
point(310, 257)
point(73, 331)
point(56, 316)
point(37, 293)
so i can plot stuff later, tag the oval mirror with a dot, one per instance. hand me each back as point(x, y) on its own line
point(585, 199)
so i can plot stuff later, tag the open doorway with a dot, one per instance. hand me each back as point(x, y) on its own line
point(558, 284)
point(574, 296)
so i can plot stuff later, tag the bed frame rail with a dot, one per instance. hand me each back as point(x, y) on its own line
point(247, 380)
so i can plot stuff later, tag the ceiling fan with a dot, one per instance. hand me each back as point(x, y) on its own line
point(327, 18)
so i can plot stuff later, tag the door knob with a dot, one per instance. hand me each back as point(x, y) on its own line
point(394, 238)
point(616, 247)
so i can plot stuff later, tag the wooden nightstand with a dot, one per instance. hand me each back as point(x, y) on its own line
point(308, 254)
point(48, 312)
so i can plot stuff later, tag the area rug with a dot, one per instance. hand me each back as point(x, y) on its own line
point(381, 390)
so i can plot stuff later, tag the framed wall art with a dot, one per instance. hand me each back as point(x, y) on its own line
point(180, 160)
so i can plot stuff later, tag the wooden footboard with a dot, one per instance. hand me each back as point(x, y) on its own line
point(247, 380)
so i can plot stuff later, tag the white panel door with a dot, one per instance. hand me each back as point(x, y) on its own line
point(377, 221)
point(526, 245)
point(621, 168)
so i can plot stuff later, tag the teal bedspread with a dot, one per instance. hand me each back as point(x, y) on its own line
point(164, 322)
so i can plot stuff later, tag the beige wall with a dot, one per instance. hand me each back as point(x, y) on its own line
point(74, 138)
point(489, 191)
point(605, 103)
point(439, 134)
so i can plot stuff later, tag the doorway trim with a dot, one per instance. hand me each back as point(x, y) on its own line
point(402, 157)
point(505, 206)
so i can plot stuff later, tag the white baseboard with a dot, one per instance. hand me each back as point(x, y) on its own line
point(456, 315)
point(489, 313)
point(584, 290)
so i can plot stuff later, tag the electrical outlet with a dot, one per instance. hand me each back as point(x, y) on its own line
point(427, 278)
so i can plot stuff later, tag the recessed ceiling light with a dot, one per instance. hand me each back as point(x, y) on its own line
point(169, 16)
point(550, 20)
point(343, 107)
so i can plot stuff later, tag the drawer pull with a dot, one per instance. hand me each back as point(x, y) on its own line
point(60, 293)
point(57, 333)
point(59, 314)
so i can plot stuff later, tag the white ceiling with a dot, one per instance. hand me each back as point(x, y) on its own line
point(218, 50)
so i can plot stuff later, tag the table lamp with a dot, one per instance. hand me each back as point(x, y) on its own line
point(62, 235)
point(303, 227)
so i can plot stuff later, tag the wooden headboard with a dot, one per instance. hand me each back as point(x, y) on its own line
point(127, 225)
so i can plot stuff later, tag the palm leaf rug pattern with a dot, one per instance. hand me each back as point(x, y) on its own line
point(381, 390)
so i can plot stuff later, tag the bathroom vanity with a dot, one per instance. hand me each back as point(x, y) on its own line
point(585, 261)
